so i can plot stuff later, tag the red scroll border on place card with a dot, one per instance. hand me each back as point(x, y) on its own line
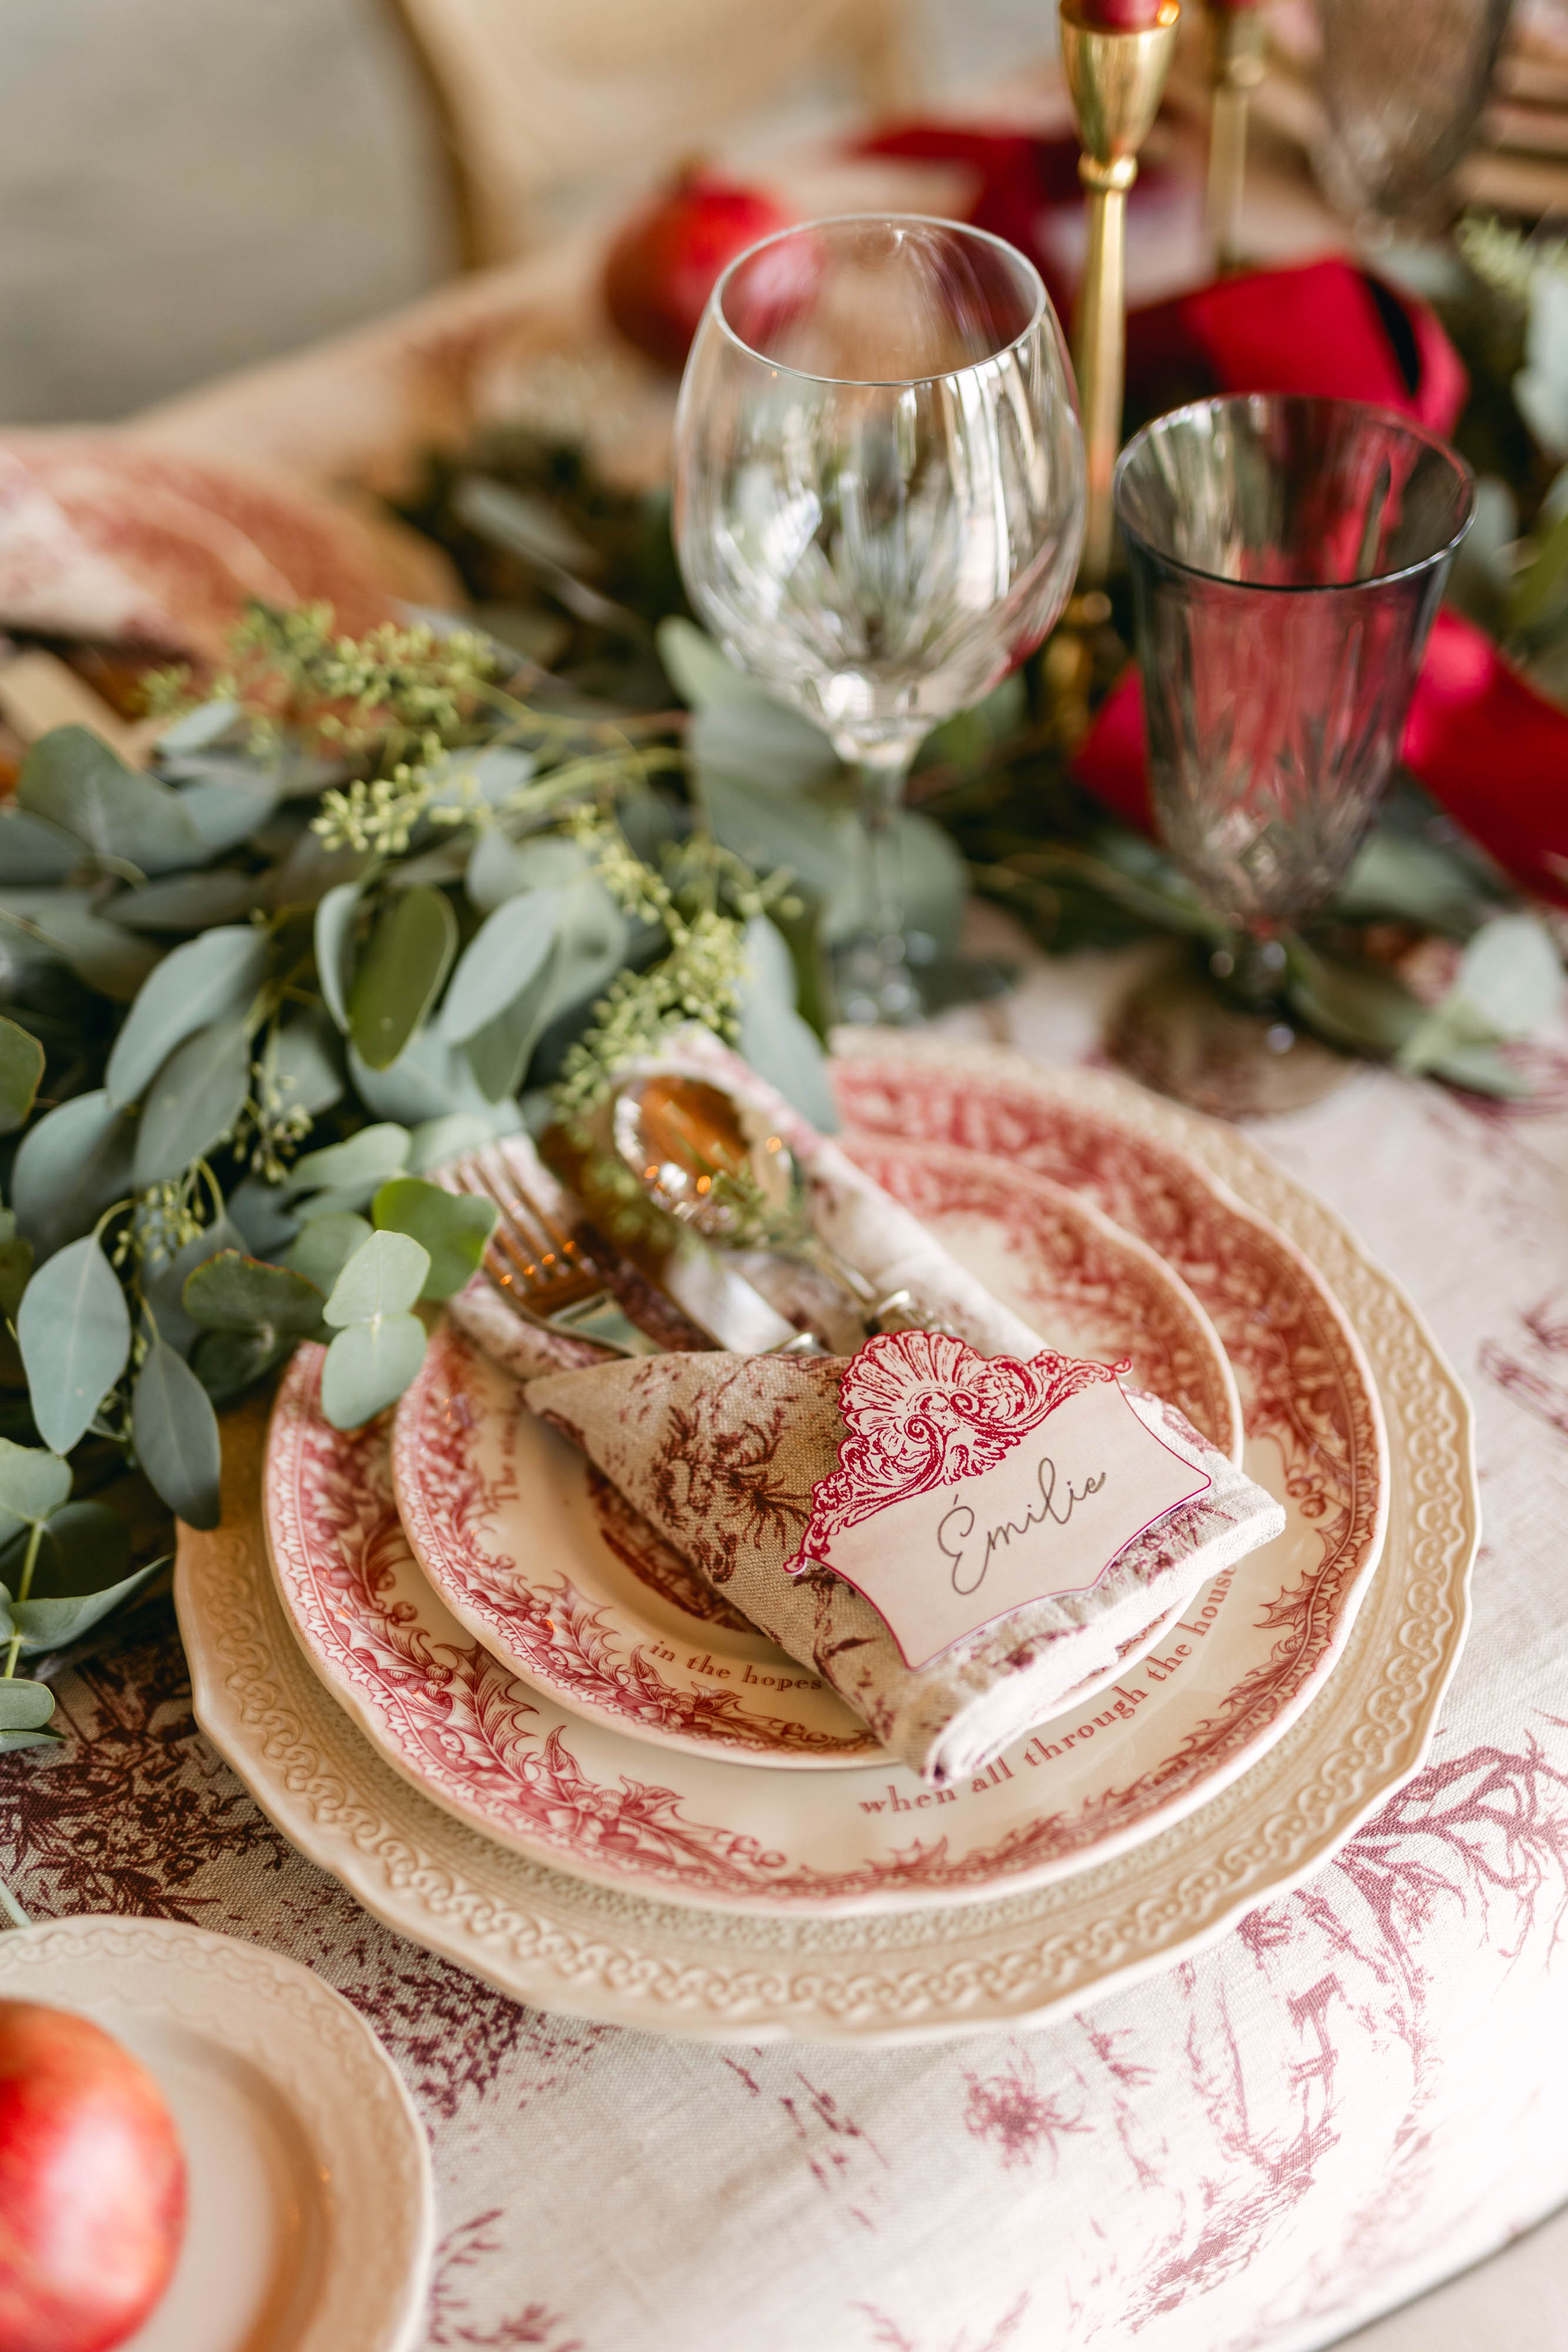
point(927, 1416)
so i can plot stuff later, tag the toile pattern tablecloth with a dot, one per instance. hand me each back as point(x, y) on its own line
point(1358, 2092)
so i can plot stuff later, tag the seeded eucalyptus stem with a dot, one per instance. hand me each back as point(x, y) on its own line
point(23, 1588)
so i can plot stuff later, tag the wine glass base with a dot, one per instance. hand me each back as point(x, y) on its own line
point(918, 990)
point(1180, 1034)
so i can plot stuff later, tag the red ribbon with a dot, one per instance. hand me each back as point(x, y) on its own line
point(1487, 748)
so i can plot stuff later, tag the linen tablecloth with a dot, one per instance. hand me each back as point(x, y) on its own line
point(1359, 2090)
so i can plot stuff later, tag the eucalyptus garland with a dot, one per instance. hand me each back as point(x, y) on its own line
point(372, 898)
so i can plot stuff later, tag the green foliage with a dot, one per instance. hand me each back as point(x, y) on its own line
point(400, 976)
point(74, 1331)
point(364, 897)
point(452, 1227)
point(21, 1067)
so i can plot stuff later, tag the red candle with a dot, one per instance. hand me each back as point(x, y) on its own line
point(1120, 16)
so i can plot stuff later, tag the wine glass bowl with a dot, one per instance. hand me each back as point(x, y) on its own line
point(1402, 91)
point(1287, 556)
point(879, 498)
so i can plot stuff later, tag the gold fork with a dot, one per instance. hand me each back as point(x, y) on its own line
point(538, 1264)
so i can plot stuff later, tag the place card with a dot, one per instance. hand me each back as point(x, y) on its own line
point(969, 1485)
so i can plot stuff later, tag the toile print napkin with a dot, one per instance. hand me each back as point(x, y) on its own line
point(723, 1456)
point(861, 1223)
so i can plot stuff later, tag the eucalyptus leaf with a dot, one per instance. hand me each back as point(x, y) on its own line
point(1359, 1005)
point(164, 1285)
point(401, 973)
point(491, 776)
point(228, 810)
point(226, 1362)
point(776, 1043)
point(373, 1153)
point(1479, 1068)
point(194, 1101)
point(187, 902)
point(234, 1293)
point(440, 1140)
point(700, 671)
point(1512, 975)
point(71, 777)
point(326, 1245)
point(308, 871)
point(15, 1268)
point(195, 728)
point(1396, 878)
point(74, 1332)
point(21, 1067)
point(382, 1278)
point(303, 1064)
point(760, 743)
point(84, 1548)
point(454, 1227)
point(203, 983)
point(81, 1573)
point(32, 851)
point(62, 924)
point(501, 1052)
point(335, 922)
point(70, 1166)
point(499, 962)
point(499, 868)
point(592, 940)
point(429, 1080)
point(32, 1485)
point(814, 839)
point(176, 1435)
point(368, 1366)
point(262, 1212)
point(24, 1705)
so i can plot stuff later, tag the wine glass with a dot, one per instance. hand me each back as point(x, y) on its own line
point(1403, 90)
point(1287, 556)
point(879, 502)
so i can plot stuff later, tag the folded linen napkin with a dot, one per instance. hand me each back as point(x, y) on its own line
point(722, 1453)
point(863, 1224)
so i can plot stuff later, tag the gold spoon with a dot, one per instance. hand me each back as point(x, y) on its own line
point(716, 1163)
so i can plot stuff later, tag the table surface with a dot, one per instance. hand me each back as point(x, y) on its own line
point(1354, 2095)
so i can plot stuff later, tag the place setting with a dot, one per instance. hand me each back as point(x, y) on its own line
point(877, 1535)
point(704, 1483)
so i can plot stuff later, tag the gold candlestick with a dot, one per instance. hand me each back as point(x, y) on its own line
point(1115, 79)
point(1238, 49)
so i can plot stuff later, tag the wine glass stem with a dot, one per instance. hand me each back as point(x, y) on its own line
point(877, 984)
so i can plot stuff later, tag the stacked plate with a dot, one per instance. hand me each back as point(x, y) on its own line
point(458, 1672)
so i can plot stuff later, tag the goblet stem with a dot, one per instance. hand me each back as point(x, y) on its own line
point(874, 981)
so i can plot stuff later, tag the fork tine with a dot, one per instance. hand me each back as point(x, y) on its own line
point(523, 1232)
point(558, 1236)
point(519, 1259)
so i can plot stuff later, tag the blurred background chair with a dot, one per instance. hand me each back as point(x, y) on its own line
point(543, 111)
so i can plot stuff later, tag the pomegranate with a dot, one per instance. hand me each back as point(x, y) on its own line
point(663, 264)
point(92, 2185)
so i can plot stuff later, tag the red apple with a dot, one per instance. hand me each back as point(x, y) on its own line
point(92, 2185)
point(663, 267)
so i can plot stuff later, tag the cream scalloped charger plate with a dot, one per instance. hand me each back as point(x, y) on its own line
point(562, 1941)
point(311, 2216)
point(1172, 1728)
